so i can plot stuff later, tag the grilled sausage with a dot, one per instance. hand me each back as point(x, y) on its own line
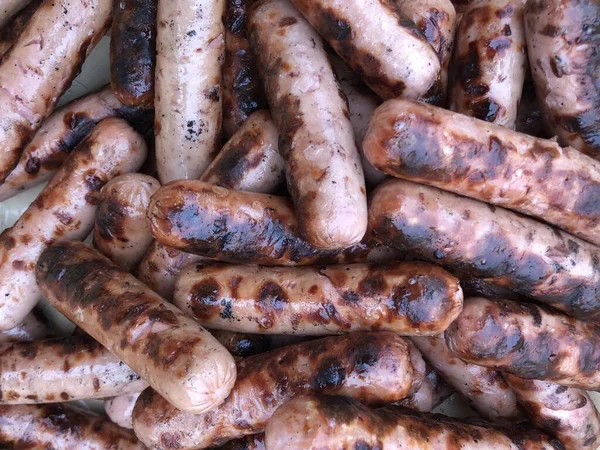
point(409, 298)
point(119, 409)
point(565, 413)
point(40, 67)
point(33, 327)
point(252, 442)
point(241, 344)
point(433, 392)
point(534, 176)
point(8, 8)
point(484, 388)
point(373, 367)
point(324, 173)
point(61, 427)
point(64, 210)
point(170, 351)
point(10, 32)
point(530, 119)
point(497, 245)
point(121, 232)
point(242, 90)
point(190, 47)
point(562, 38)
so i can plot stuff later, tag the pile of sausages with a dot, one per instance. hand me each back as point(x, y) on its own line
point(311, 222)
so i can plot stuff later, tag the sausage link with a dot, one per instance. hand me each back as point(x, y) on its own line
point(373, 367)
point(8, 9)
point(433, 392)
point(500, 246)
point(485, 389)
point(33, 328)
point(190, 49)
point(61, 427)
point(40, 67)
point(170, 351)
point(562, 38)
point(10, 32)
point(121, 232)
point(119, 409)
point(241, 344)
point(408, 298)
point(64, 210)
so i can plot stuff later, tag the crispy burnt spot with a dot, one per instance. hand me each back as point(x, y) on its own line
point(110, 220)
point(205, 299)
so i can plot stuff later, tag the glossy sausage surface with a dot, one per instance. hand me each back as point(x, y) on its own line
point(242, 344)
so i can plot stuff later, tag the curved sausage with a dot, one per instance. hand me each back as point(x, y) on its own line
point(133, 52)
point(190, 49)
point(64, 210)
point(10, 32)
point(119, 409)
point(324, 172)
point(40, 67)
point(565, 413)
point(32, 328)
point(170, 351)
point(500, 246)
point(562, 38)
point(408, 298)
point(484, 389)
point(61, 370)
point(433, 392)
point(8, 9)
point(534, 176)
point(241, 344)
point(373, 367)
point(489, 62)
point(528, 341)
point(242, 90)
point(121, 232)
point(61, 427)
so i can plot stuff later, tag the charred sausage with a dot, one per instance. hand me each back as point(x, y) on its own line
point(119, 409)
point(10, 32)
point(530, 119)
point(241, 344)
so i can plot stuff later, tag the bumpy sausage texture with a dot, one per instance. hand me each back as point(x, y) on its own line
point(64, 210)
point(534, 176)
point(323, 168)
point(175, 355)
point(10, 32)
point(33, 327)
point(119, 409)
point(372, 367)
point(41, 66)
point(528, 341)
point(494, 244)
point(562, 38)
point(8, 8)
point(409, 298)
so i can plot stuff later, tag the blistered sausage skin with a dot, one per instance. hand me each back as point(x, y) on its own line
point(121, 232)
point(61, 427)
point(565, 413)
point(241, 344)
point(456, 153)
point(562, 38)
point(190, 49)
point(41, 66)
point(408, 298)
point(119, 409)
point(175, 355)
point(323, 169)
point(528, 341)
point(489, 62)
point(64, 210)
point(8, 8)
point(10, 32)
point(372, 367)
point(33, 328)
point(62, 369)
point(497, 245)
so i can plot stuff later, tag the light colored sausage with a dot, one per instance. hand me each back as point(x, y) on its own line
point(64, 210)
point(33, 327)
point(190, 49)
point(119, 409)
point(10, 32)
point(121, 232)
point(242, 344)
point(8, 8)
point(433, 392)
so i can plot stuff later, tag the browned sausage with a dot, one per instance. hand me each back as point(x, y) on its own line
point(33, 327)
point(241, 344)
point(500, 246)
point(170, 351)
point(10, 32)
point(133, 52)
point(372, 367)
point(433, 392)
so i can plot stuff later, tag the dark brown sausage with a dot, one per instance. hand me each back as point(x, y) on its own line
point(252, 442)
point(530, 119)
point(10, 32)
point(241, 344)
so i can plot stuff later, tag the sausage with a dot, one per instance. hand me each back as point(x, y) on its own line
point(40, 67)
point(10, 32)
point(528, 341)
point(562, 36)
point(500, 246)
point(359, 32)
point(175, 355)
point(534, 176)
point(61, 427)
point(433, 392)
point(121, 232)
point(62, 369)
point(133, 52)
point(408, 298)
point(8, 8)
point(241, 344)
point(252, 442)
point(33, 327)
point(64, 210)
point(485, 389)
point(119, 409)
point(324, 173)
point(338, 423)
point(489, 62)
point(249, 161)
point(188, 100)
point(530, 119)
point(373, 367)
point(242, 90)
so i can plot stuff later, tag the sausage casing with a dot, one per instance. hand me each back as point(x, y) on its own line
point(10, 32)
point(32, 328)
point(119, 409)
point(433, 392)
